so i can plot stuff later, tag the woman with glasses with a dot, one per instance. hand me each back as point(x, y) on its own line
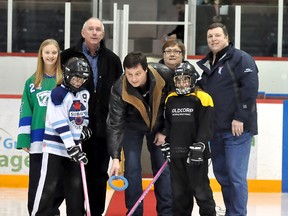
point(173, 53)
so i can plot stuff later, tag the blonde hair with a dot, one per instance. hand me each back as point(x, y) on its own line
point(39, 73)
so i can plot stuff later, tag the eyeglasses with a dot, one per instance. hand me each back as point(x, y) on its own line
point(175, 52)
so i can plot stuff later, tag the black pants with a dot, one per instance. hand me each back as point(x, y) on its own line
point(188, 182)
point(57, 169)
point(35, 161)
point(96, 173)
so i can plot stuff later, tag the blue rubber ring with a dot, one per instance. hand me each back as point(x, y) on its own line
point(112, 178)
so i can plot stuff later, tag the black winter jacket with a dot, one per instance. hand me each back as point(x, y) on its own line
point(109, 70)
point(127, 108)
point(233, 84)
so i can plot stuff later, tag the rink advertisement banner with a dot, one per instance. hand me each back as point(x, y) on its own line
point(12, 161)
point(16, 162)
point(267, 144)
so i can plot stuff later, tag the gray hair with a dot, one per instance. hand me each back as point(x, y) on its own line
point(93, 18)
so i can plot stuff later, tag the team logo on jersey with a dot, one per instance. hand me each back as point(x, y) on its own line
point(43, 97)
point(182, 111)
point(220, 70)
point(77, 113)
point(248, 70)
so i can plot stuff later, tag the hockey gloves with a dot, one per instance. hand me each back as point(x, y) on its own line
point(77, 155)
point(165, 148)
point(86, 133)
point(195, 155)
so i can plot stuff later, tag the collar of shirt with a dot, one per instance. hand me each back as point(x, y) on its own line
point(93, 63)
point(218, 56)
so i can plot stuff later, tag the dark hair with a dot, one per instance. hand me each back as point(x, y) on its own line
point(135, 58)
point(219, 25)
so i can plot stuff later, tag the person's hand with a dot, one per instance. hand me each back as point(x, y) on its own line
point(26, 149)
point(165, 148)
point(237, 127)
point(168, 38)
point(195, 155)
point(172, 37)
point(164, 38)
point(159, 139)
point(77, 154)
point(86, 133)
point(114, 170)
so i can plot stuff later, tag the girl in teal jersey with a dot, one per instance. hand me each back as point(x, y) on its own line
point(33, 111)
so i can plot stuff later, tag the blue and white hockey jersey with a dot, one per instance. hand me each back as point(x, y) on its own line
point(66, 115)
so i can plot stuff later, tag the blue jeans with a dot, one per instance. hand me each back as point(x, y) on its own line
point(230, 157)
point(132, 146)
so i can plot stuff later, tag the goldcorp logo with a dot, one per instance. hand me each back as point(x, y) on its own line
point(182, 111)
point(11, 160)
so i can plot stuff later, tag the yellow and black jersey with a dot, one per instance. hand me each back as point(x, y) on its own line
point(188, 119)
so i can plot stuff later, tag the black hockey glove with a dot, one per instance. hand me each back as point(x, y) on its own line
point(86, 133)
point(165, 148)
point(77, 155)
point(195, 155)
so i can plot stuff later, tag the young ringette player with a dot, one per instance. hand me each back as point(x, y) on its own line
point(66, 118)
point(188, 124)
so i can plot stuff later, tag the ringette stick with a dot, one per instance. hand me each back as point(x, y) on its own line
point(85, 189)
point(148, 188)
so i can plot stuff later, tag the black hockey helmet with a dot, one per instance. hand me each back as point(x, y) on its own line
point(76, 67)
point(185, 73)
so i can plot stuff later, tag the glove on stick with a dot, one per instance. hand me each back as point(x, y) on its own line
point(165, 148)
point(77, 155)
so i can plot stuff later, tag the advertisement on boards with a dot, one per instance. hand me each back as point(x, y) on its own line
point(12, 161)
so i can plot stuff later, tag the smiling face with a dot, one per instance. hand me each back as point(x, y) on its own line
point(77, 82)
point(49, 54)
point(217, 40)
point(172, 56)
point(93, 33)
point(136, 76)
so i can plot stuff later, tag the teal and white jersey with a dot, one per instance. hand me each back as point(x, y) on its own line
point(33, 112)
point(67, 113)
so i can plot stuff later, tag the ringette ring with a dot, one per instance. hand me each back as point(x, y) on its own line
point(112, 178)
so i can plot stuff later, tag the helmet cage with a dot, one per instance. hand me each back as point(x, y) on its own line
point(183, 84)
point(185, 78)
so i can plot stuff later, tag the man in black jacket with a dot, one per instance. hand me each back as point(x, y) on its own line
point(136, 110)
point(107, 68)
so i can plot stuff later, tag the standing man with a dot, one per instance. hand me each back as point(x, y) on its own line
point(230, 76)
point(107, 68)
point(136, 110)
